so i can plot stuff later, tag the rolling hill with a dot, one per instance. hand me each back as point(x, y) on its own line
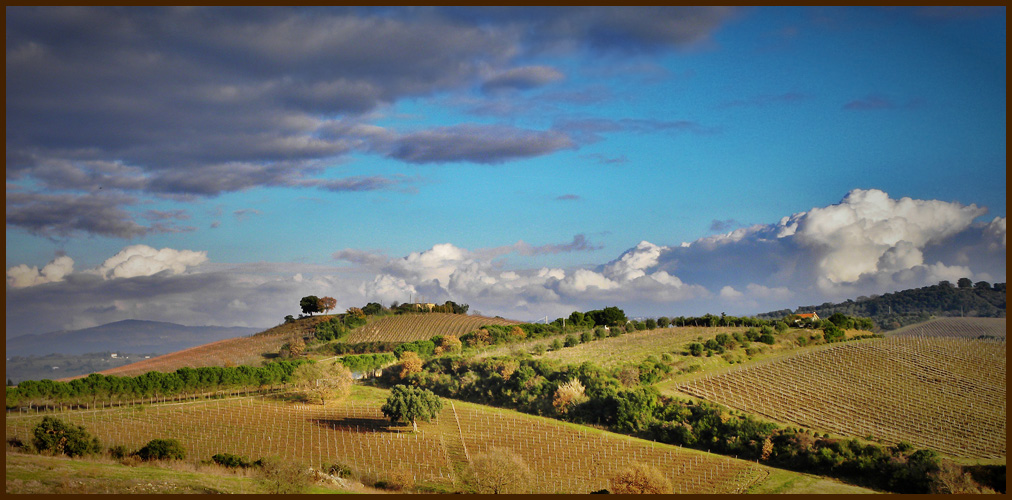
point(130, 335)
point(894, 310)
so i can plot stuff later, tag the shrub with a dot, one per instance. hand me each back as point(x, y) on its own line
point(767, 338)
point(55, 436)
point(586, 336)
point(615, 331)
point(500, 470)
point(162, 449)
point(600, 332)
point(696, 349)
point(340, 470)
point(539, 349)
point(119, 452)
point(571, 341)
point(556, 345)
point(234, 461)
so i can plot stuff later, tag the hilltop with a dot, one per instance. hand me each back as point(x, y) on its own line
point(894, 310)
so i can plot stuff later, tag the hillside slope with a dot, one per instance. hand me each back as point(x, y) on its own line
point(130, 335)
point(249, 350)
point(893, 310)
point(422, 326)
point(562, 457)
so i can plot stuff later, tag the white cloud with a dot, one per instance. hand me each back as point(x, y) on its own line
point(22, 276)
point(142, 260)
point(856, 235)
point(728, 292)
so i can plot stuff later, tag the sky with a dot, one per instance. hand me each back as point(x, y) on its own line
point(211, 166)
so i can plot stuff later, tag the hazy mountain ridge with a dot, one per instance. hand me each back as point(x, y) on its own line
point(123, 336)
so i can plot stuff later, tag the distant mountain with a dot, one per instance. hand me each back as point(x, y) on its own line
point(123, 336)
point(893, 310)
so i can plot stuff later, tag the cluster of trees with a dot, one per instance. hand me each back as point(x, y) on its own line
point(609, 316)
point(893, 310)
point(312, 304)
point(182, 381)
point(367, 362)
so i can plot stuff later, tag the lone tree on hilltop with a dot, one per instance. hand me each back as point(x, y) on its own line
point(310, 304)
point(409, 404)
point(327, 303)
point(639, 478)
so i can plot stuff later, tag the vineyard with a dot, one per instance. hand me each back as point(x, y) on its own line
point(942, 393)
point(411, 327)
point(636, 346)
point(956, 327)
point(563, 457)
point(248, 350)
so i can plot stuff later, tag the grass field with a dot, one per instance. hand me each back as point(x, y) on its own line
point(422, 326)
point(34, 474)
point(946, 394)
point(564, 457)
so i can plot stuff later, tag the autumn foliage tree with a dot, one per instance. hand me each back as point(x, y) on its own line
point(569, 395)
point(410, 363)
point(500, 470)
point(327, 304)
point(639, 478)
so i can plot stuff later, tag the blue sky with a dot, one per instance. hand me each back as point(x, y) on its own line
point(211, 166)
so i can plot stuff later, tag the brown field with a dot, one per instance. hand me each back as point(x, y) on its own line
point(955, 327)
point(946, 394)
point(422, 326)
point(563, 457)
point(229, 352)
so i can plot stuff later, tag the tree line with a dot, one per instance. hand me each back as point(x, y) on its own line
point(183, 381)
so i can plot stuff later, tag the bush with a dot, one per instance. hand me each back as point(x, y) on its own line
point(696, 349)
point(556, 345)
point(600, 332)
point(767, 338)
point(55, 436)
point(340, 470)
point(615, 331)
point(639, 478)
point(119, 452)
point(586, 336)
point(162, 449)
point(571, 341)
point(232, 461)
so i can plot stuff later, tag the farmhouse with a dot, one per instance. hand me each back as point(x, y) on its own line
point(422, 306)
point(803, 316)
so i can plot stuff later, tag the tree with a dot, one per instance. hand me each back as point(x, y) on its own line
point(964, 283)
point(162, 449)
point(327, 303)
point(410, 363)
point(609, 316)
point(500, 470)
point(323, 381)
point(310, 304)
point(410, 404)
point(639, 478)
point(60, 438)
point(569, 395)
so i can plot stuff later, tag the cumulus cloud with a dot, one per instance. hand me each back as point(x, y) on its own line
point(142, 260)
point(22, 276)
